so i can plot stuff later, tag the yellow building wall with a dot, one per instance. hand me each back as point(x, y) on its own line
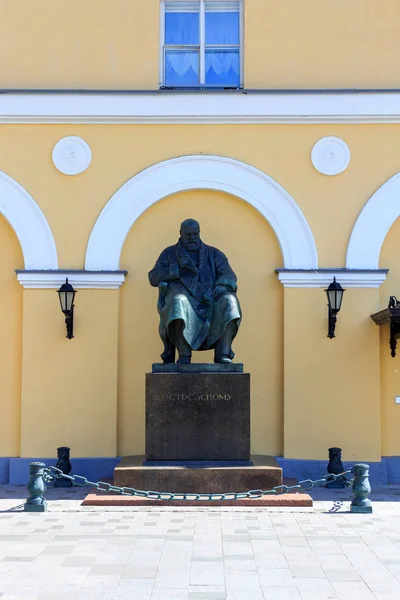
point(115, 45)
point(71, 205)
point(390, 367)
point(332, 386)
point(69, 387)
point(253, 252)
point(331, 205)
point(11, 339)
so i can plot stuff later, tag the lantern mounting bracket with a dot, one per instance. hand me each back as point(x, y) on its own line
point(390, 315)
point(69, 323)
point(331, 323)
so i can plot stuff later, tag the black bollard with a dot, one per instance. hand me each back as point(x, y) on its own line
point(335, 466)
point(64, 465)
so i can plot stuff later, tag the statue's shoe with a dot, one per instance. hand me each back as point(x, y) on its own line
point(184, 360)
point(224, 360)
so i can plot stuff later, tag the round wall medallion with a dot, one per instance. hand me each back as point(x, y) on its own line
point(330, 156)
point(72, 155)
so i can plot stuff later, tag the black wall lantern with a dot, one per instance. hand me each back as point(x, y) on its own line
point(335, 297)
point(66, 294)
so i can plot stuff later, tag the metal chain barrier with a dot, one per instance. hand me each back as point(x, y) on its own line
point(52, 473)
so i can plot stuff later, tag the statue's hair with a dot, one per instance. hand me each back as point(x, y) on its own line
point(190, 223)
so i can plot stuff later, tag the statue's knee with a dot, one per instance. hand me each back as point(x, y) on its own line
point(227, 300)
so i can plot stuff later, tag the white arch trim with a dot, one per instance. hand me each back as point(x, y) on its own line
point(201, 173)
point(372, 226)
point(29, 223)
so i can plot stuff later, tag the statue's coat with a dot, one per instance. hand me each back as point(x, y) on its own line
point(188, 295)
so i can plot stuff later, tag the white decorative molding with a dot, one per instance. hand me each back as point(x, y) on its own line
point(321, 278)
point(200, 107)
point(372, 226)
point(81, 280)
point(330, 156)
point(72, 155)
point(29, 223)
point(201, 173)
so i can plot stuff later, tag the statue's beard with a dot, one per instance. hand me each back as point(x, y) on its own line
point(192, 246)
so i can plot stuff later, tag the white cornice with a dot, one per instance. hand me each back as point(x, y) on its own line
point(79, 280)
point(201, 107)
point(322, 278)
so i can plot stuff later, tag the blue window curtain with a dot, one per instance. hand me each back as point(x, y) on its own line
point(222, 28)
point(222, 67)
point(181, 68)
point(182, 29)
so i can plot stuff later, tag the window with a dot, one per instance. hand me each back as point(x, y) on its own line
point(201, 44)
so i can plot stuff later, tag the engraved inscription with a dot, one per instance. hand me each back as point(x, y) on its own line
point(197, 397)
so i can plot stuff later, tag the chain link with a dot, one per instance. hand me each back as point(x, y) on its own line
point(52, 473)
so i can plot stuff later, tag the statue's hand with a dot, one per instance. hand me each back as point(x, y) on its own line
point(186, 263)
point(219, 291)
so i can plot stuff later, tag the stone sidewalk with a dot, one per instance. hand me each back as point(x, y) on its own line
point(86, 553)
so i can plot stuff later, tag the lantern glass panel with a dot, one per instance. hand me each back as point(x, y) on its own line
point(68, 300)
point(335, 296)
point(332, 299)
point(66, 295)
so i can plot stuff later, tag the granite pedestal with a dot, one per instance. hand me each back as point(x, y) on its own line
point(198, 434)
point(198, 413)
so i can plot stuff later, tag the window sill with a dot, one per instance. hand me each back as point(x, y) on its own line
point(201, 89)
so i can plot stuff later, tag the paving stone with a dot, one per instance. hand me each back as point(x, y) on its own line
point(313, 588)
point(172, 578)
point(173, 594)
point(207, 558)
point(207, 596)
point(139, 572)
point(207, 573)
point(276, 578)
point(57, 549)
point(282, 593)
point(105, 569)
point(353, 591)
point(79, 561)
point(18, 559)
point(307, 571)
point(342, 575)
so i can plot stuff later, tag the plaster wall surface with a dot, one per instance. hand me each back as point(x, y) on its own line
point(71, 205)
point(332, 386)
point(115, 45)
point(11, 347)
point(69, 387)
point(93, 385)
point(390, 367)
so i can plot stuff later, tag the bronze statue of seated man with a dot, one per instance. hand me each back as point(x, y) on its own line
point(197, 301)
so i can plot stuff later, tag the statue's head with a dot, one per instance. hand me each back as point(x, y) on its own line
point(190, 235)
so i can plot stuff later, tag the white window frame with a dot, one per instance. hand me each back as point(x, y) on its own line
point(202, 46)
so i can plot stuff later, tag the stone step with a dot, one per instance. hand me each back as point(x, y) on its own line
point(264, 473)
point(96, 498)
